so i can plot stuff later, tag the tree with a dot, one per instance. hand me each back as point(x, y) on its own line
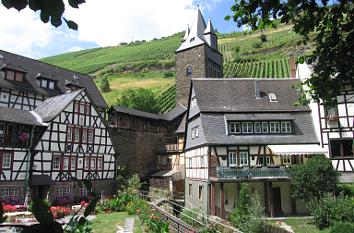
point(52, 10)
point(313, 179)
point(140, 99)
point(105, 87)
point(333, 37)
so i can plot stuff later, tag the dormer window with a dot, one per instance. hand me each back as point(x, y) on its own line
point(13, 75)
point(272, 97)
point(189, 71)
point(46, 83)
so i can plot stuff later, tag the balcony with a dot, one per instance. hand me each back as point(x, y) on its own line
point(168, 148)
point(252, 173)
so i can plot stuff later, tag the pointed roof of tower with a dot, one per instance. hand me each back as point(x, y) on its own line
point(196, 34)
point(209, 28)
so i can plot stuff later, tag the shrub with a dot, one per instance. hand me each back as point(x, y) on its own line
point(330, 209)
point(313, 179)
point(105, 87)
point(248, 213)
point(345, 189)
point(263, 38)
point(341, 227)
point(257, 45)
point(59, 211)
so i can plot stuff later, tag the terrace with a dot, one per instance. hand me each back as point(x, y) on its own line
point(252, 173)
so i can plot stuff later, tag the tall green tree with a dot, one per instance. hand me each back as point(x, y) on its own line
point(313, 179)
point(333, 25)
point(52, 10)
point(140, 99)
point(105, 86)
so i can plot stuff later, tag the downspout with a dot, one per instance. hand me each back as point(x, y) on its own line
point(28, 161)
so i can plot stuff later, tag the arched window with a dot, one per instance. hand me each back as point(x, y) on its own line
point(189, 71)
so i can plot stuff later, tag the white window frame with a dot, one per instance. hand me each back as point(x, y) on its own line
point(190, 162)
point(200, 192)
point(87, 163)
point(202, 162)
point(76, 135)
point(286, 159)
point(66, 163)
point(64, 191)
point(232, 158)
point(265, 127)
point(259, 128)
point(6, 159)
point(274, 127)
point(93, 164)
point(70, 134)
point(286, 127)
point(243, 158)
point(51, 85)
point(247, 127)
point(99, 163)
point(195, 132)
point(235, 127)
point(73, 163)
point(90, 135)
point(56, 164)
point(14, 193)
point(4, 193)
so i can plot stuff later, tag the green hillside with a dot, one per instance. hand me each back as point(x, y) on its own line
point(151, 64)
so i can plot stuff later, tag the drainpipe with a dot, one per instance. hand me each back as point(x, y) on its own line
point(29, 154)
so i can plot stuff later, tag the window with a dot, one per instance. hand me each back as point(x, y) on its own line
point(5, 193)
point(342, 147)
point(87, 163)
point(90, 136)
point(51, 85)
point(194, 102)
point(69, 134)
point(56, 163)
point(14, 193)
point(76, 107)
point(83, 192)
point(264, 160)
point(257, 127)
point(195, 132)
point(190, 162)
point(99, 164)
point(46, 83)
point(66, 163)
point(264, 127)
point(190, 189)
point(73, 163)
point(247, 127)
point(77, 135)
point(93, 164)
point(200, 192)
point(274, 127)
point(232, 159)
point(286, 159)
point(64, 191)
point(82, 108)
point(235, 127)
point(272, 97)
point(14, 75)
point(243, 158)
point(6, 160)
point(84, 136)
point(189, 71)
point(286, 127)
point(2, 129)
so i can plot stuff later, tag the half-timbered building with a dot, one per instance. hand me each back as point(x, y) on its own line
point(335, 127)
point(245, 130)
point(52, 131)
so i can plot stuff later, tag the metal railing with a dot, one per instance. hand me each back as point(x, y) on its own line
point(252, 172)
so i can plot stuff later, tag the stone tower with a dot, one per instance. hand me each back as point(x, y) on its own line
point(197, 57)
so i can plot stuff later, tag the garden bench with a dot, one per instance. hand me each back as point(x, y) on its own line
point(128, 226)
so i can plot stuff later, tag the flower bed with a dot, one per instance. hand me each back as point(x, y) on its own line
point(59, 211)
point(13, 208)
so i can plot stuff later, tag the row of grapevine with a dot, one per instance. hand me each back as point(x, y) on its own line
point(167, 100)
point(272, 68)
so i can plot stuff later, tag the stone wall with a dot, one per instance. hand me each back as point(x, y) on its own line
point(137, 150)
point(195, 58)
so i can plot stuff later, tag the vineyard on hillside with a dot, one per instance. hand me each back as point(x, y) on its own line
point(273, 68)
point(167, 99)
point(156, 52)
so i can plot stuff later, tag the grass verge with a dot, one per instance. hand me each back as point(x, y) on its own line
point(107, 223)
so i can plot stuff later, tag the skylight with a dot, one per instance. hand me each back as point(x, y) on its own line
point(272, 97)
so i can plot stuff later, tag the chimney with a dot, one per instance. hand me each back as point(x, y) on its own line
point(292, 67)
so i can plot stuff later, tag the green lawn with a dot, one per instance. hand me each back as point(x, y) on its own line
point(303, 225)
point(106, 223)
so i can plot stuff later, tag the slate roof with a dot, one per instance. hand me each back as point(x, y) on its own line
point(52, 107)
point(169, 116)
point(18, 116)
point(239, 95)
point(34, 68)
point(195, 35)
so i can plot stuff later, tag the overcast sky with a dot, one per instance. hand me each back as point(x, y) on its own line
point(105, 23)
